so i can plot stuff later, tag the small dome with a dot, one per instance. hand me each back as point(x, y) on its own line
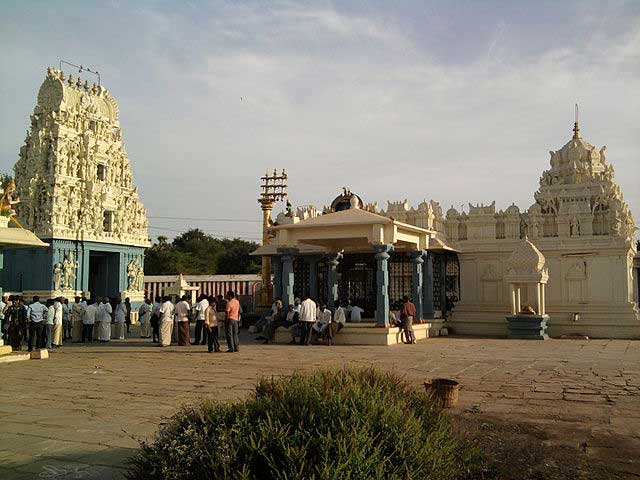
point(513, 210)
point(452, 213)
point(346, 201)
point(526, 258)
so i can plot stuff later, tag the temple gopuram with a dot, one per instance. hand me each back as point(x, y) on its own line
point(456, 266)
point(76, 186)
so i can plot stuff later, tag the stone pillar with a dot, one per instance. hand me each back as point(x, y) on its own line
point(416, 283)
point(514, 308)
point(276, 268)
point(518, 304)
point(332, 279)
point(382, 284)
point(443, 286)
point(287, 276)
point(538, 300)
point(428, 309)
point(543, 308)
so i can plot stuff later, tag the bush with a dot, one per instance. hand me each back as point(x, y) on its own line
point(339, 424)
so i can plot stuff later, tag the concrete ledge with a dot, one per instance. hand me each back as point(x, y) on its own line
point(5, 349)
point(15, 357)
point(364, 334)
point(40, 354)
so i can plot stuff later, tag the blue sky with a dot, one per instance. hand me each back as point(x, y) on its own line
point(455, 101)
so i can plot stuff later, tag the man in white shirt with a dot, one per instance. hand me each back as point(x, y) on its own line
point(323, 319)
point(37, 314)
point(104, 312)
point(77, 312)
point(88, 321)
point(201, 308)
point(144, 317)
point(166, 321)
point(182, 316)
point(308, 310)
point(119, 318)
point(56, 335)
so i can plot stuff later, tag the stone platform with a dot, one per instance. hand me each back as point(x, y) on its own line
point(367, 333)
point(528, 327)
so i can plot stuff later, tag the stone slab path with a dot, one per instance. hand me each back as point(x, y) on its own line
point(81, 413)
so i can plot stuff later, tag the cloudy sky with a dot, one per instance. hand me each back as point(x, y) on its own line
point(455, 101)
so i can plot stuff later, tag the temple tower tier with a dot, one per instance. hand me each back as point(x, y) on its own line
point(76, 186)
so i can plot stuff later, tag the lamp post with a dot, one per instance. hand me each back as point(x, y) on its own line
point(274, 189)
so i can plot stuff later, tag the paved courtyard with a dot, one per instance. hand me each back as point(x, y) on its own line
point(81, 413)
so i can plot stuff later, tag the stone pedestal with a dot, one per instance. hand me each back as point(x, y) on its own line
point(528, 327)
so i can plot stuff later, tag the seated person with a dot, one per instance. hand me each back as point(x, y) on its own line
point(356, 314)
point(286, 320)
point(323, 319)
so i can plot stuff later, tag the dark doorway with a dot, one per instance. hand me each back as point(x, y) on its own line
point(357, 282)
point(104, 272)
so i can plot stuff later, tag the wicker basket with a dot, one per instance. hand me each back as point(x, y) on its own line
point(444, 391)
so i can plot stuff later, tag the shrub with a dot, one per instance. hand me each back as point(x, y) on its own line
point(340, 424)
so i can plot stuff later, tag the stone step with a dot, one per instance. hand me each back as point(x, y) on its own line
point(5, 349)
point(15, 357)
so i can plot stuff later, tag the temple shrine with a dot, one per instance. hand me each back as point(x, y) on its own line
point(76, 186)
point(458, 267)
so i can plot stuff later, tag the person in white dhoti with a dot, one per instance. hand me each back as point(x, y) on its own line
point(119, 318)
point(56, 335)
point(77, 311)
point(166, 321)
point(144, 317)
point(104, 317)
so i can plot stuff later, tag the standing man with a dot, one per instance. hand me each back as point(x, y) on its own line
point(166, 321)
point(182, 316)
point(104, 311)
point(407, 314)
point(37, 313)
point(211, 324)
point(308, 310)
point(232, 325)
point(201, 308)
point(221, 308)
point(16, 317)
point(48, 323)
point(89, 314)
point(66, 320)
point(119, 318)
point(77, 312)
point(127, 304)
point(155, 319)
point(56, 334)
point(144, 317)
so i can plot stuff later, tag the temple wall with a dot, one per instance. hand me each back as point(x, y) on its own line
point(585, 277)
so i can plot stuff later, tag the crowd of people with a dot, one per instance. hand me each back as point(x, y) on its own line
point(47, 324)
point(309, 322)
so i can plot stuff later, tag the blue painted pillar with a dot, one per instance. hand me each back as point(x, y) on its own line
point(382, 284)
point(332, 279)
point(84, 265)
point(1, 271)
point(276, 268)
point(416, 283)
point(313, 277)
point(288, 297)
point(443, 286)
point(428, 308)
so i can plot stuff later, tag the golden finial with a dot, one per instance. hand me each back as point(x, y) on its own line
point(79, 83)
point(62, 75)
point(94, 88)
point(576, 128)
point(70, 80)
point(275, 172)
point(86, 85)
point(284, 173)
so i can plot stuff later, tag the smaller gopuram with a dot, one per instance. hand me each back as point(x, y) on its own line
point(76, 186)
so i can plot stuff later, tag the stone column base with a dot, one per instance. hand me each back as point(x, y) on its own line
point(528, 327)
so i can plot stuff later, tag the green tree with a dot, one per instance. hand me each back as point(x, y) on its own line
point(196, 253)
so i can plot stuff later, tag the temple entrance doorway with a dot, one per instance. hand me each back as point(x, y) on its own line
point(104, 274)
point(357, 282)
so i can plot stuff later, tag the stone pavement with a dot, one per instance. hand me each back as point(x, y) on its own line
point(81, 413)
